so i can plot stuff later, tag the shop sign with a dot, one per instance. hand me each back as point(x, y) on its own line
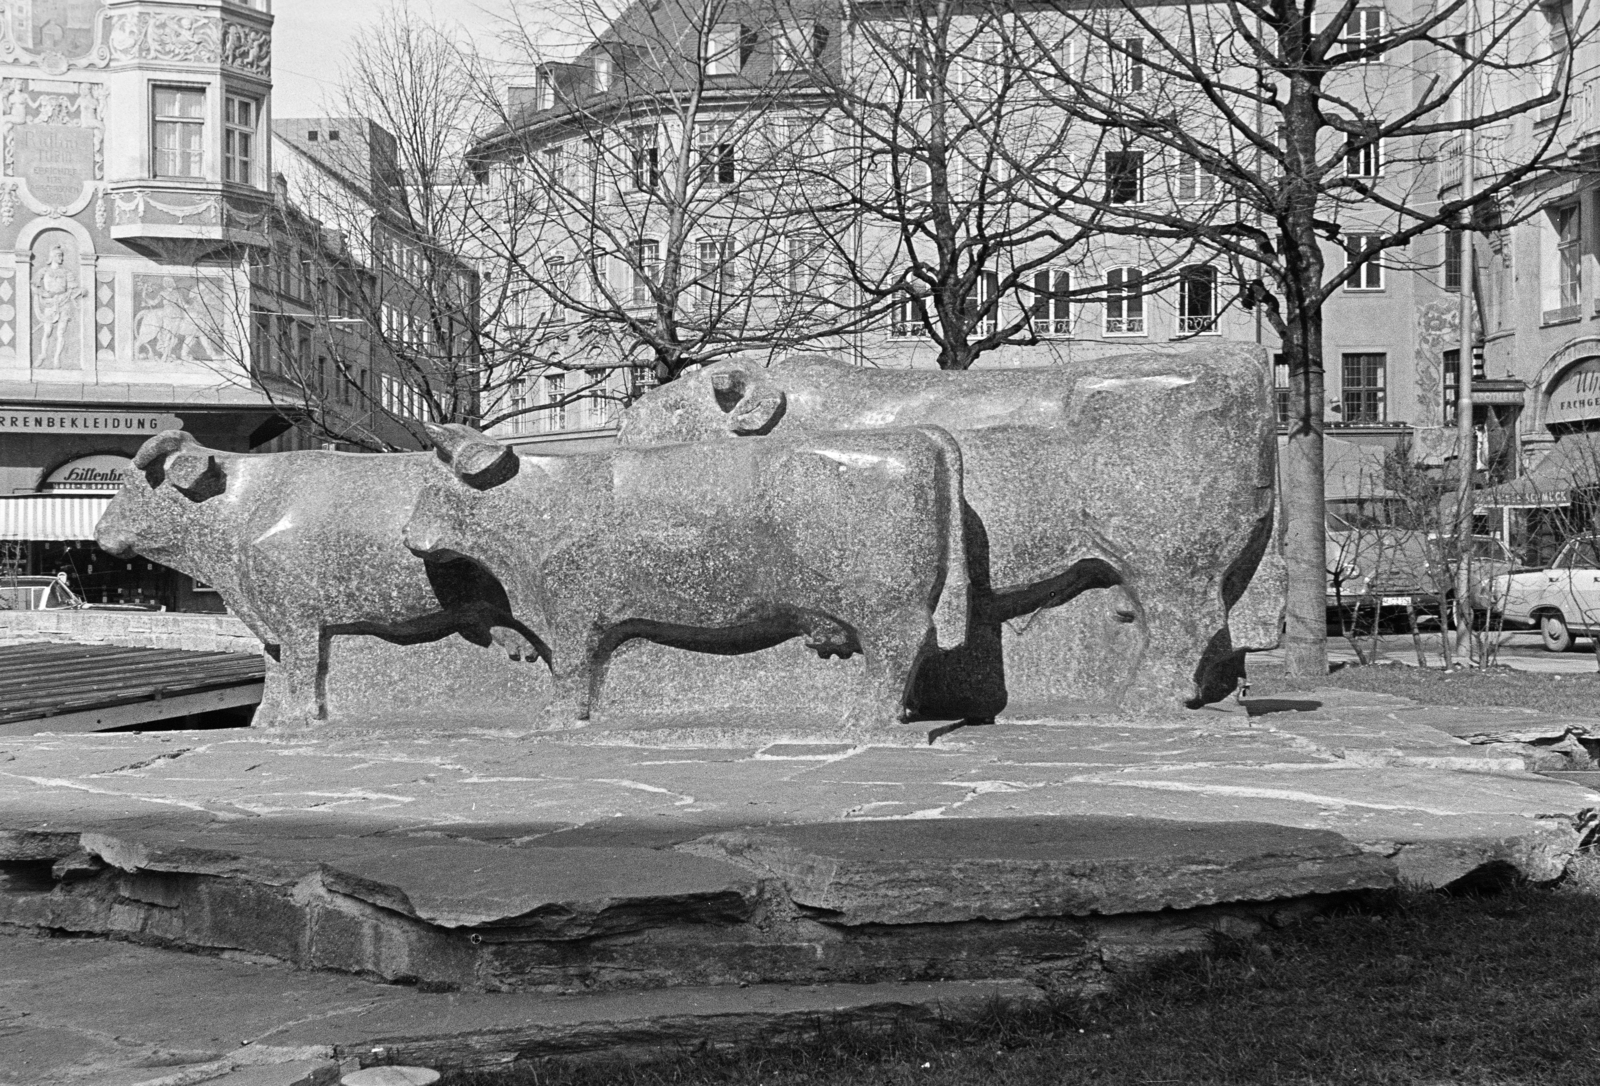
point(1577, 395)
point(103, 472)
point(25, 420)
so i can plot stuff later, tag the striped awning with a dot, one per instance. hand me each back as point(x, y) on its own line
point(54, 517)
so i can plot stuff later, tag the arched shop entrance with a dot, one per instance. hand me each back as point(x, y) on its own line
point(1559, 495)
point(51, 532)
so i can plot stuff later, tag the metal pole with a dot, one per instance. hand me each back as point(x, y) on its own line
point(1466, 437)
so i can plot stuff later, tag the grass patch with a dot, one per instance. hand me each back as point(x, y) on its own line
point(1409, 989)
point(1563, 695)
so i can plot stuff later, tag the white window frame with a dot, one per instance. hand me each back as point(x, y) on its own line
point(1364, 161)
point(1126, 66)
point(714, 260)
point(642, 270)
point(644, 165)
point(554, 387)
point(1129, 309)
point(1197, 324)
point(1370, 278)
point(1051, 311)
point(1365, 26)
point(1568, 222)
point(178, 124)
point(985, 289)
point(724, 49)
point(796, 48)
point(1138, 177)
point(1195, 182)
point(239, 138)
point(908, 321)
point(605, 71)
point(1347, 391)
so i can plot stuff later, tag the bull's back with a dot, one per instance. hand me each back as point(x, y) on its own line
point(323, 532)
point(733, 525)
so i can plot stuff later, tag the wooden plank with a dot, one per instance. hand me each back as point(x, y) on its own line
point(53, 681)
point(147, 712)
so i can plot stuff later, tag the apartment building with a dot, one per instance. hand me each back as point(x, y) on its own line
point(721, 111)
point(1540, 320)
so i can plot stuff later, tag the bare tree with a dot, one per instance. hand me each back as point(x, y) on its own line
point(651, 170)
point(952, 165)
point(1296, 128)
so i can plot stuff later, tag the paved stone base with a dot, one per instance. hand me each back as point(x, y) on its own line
point(624, 859)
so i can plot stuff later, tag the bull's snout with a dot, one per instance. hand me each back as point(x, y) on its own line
point(114, 540)
point(425, 537)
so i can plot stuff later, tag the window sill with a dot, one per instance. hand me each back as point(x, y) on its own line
point(1365, 290)
point(1567, 314)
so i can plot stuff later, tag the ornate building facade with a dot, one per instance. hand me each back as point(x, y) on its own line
point(146, 243)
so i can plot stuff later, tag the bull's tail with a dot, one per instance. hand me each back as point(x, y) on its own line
point(953, 612)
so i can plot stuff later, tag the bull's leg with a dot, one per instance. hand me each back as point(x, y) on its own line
point(894, 644)
point(302, 675)
point(572, 677)
point(1182, 620)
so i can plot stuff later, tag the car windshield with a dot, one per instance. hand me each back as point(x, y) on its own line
point(1582, 554)
point(60, 596)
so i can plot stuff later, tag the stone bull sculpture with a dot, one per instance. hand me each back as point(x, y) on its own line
point(1152, 474)
point(853, 541)
point(302, 546)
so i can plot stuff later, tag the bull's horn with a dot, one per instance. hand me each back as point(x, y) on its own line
point(479, 461)
point(165, 442)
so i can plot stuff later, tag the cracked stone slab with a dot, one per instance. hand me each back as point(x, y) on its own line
point(933, 871)
point(568, 892)
point(113, 1014)
point(560, 892)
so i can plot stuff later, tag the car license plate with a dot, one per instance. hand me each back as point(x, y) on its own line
point(1396, 601)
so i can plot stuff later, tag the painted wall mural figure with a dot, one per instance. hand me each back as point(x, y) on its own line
point(169, 325)
point(56, 297)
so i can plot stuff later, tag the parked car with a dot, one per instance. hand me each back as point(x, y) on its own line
point(1406, 571)
point(42, 593)
point(1563, 601)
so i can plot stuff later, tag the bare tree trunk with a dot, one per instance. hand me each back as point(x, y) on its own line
point(1305, 540)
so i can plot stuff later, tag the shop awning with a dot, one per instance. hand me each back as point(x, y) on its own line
point(51, 517)
point(1574, 463)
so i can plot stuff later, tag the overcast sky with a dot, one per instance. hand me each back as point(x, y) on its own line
point(309, 36)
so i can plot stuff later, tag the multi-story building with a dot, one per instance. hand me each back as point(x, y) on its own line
point(135, 174)
point(144, 244)
point(617, 122)
point(1539, 376)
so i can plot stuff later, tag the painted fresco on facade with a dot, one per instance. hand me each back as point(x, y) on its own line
point(59, 28)
point(177, 319)
point(57, 302)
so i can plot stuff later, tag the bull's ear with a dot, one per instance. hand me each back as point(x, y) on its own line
point(758, 411)
point(167, 441)
point(484, 463)
point(728, 386)
point(196, 477)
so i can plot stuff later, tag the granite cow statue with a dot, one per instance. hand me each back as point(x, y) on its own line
point(852, 541)
point(1152, 474)
point(302, 546)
